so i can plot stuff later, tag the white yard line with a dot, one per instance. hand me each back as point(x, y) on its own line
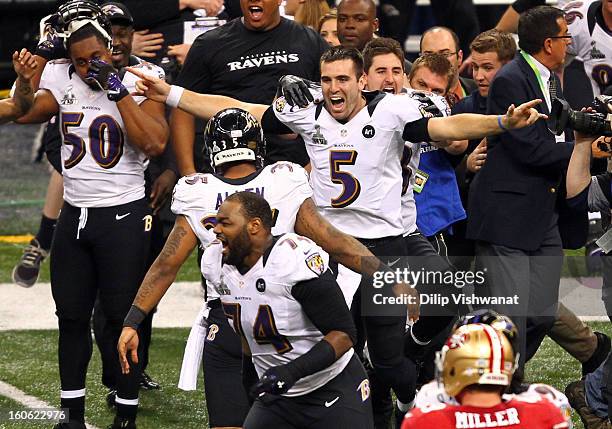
point(29, 401)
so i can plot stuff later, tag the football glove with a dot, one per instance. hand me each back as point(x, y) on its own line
point(105, 77)
point(276, 380)
point(295, 90)
point(51, 45)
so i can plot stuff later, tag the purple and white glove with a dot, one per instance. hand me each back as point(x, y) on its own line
point(51, 45)
point(104, 76)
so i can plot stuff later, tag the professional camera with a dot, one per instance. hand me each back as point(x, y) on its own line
point(563, 116)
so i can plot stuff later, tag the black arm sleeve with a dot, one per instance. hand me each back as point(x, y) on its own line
point(521, 6)
point(271, 125)
point(416, 131)
point(324, 304)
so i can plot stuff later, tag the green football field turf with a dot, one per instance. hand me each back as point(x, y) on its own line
point(29, 362)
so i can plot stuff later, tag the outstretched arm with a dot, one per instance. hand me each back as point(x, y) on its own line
point(23, 97)
point(468, 126)
point(202, 105)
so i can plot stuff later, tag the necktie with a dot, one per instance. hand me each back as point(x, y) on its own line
point(552, 88)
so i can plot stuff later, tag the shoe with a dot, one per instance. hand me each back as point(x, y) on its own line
point(72, 424)
point(122, 423)
point(26, 271)
point(577, 399)
point(110, 398)
point(147, 383)
point(599, 355)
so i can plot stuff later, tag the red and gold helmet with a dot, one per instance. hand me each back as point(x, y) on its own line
point(475, 354)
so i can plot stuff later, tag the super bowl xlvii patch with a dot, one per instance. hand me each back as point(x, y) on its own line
point(315, 264)
point(280, 104)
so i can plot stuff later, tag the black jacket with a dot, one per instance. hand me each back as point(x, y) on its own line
point(514, 197)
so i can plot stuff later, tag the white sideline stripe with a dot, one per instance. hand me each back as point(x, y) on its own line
point(29, 401)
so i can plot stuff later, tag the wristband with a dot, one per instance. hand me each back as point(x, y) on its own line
point(499, 122)
point(134, 317)
point(174, 96)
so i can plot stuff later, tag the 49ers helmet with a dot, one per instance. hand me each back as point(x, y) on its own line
point(75, 14)
point(233, 135)
point(475, 354)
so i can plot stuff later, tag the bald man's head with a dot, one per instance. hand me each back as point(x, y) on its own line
point(357, 23)
point(443, 41)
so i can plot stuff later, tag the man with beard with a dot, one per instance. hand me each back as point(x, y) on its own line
point(296, 330)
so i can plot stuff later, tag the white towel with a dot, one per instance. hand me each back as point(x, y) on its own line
point(192, 358)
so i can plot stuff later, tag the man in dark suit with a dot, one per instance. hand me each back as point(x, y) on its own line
point(513, 204)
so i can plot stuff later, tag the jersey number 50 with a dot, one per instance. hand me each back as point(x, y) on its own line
point(105, 140)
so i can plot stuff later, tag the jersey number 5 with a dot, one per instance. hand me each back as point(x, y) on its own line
point(350, 185)
point(105, 140)
point(264, 327)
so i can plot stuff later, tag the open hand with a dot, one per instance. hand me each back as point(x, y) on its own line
point(128, 343)
point(145, 44)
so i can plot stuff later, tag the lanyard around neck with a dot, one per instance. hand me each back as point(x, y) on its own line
point(535, 69)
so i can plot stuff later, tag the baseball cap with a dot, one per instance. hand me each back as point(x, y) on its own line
point(117, 13)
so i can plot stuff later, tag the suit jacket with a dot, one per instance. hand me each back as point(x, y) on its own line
point(520, 188)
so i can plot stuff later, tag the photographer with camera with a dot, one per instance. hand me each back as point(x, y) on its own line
point(592, 396)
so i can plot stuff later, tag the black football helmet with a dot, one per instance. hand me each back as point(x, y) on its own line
point(77, 13)
point(233, 135)
point(499, 322)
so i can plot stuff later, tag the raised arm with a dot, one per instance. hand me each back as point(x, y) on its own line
point(201, 105)
point(468, 126)
point(23, 96)
point(579, 169)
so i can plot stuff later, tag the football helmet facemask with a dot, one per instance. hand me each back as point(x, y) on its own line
point(233, 135)
point(498, 321)
point(76, 14)
point(475, 354)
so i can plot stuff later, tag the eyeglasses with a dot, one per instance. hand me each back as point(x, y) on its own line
point(568, 36)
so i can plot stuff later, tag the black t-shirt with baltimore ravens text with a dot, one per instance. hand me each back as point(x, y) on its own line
point(234, 61)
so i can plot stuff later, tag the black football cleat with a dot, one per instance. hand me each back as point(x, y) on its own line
point(147, 383)
point(123, 423)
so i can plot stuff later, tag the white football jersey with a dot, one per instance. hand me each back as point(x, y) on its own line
point(263, 311)
point(356, 174)
point(591, 42)
point(433, 394)
point(284, 186)
point(100, 166)
point(410, 164)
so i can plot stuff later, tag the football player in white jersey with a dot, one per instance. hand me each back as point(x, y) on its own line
point(102, 236)
point(295, 326)
point(384, 71)
point(234, 144)
point(590, 25)
point(360, 198)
